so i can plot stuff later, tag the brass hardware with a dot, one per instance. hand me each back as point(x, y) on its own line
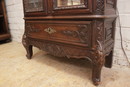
point(50, 30)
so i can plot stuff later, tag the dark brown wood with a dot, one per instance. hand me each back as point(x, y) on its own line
point(108, 60)
point(4, 36)
point(81, 17)
point(86, 30)
point(4, 29)
point(27, 46)
point(1, 16)
point(61, 30)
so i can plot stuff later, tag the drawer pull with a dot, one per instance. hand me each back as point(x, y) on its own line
point(50, 30)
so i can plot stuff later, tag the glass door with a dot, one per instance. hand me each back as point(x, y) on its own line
point(69, 3)
point(35, 7)
point(72, 6)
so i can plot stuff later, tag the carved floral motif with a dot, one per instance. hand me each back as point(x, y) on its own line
point(81, 33)
point(100, 28)
point(98, 52)
point(60, 50)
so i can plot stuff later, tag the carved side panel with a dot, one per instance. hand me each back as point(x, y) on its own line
point(98, 51)
point(109, 35)
point(99, 7)
point(110, 3)
point(104, 36)
point(100, 30)
point(110, 7)
point(105, 7)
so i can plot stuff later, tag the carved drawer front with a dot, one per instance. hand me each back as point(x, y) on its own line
point(34, 29)
point(71, 32)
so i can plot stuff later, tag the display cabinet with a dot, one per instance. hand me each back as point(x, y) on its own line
point(72, 29)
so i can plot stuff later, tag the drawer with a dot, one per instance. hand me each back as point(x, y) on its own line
point(71, 32)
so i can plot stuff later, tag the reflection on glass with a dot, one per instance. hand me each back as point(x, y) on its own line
point(69, 2)
point(34, 5)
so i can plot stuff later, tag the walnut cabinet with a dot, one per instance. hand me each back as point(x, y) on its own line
point(72, 29)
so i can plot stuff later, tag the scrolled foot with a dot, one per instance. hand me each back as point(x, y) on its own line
point(29, 56)
point(96, 81)
point(27, 46)
point(29, 51)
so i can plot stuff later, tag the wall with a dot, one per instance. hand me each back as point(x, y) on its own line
point(124, 12)
point(15, 18)
point(16, 24)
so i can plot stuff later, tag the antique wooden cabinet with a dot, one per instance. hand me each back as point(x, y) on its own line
point(72, 29)
point(4, 29)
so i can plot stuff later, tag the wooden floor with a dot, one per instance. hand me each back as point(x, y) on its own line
point(47, 71)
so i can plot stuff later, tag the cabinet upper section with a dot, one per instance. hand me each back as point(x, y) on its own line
point(68, 7)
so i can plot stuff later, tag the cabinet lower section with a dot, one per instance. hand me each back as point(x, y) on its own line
point(91, 39)
point(70, 51)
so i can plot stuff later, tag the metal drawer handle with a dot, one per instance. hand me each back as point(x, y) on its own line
point(50, 30)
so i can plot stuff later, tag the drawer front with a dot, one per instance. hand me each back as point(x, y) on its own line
point(36, 29)
point(62, 31)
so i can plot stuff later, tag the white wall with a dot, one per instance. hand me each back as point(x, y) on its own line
point(124, 11)
point(16, 24)
point(15, 18)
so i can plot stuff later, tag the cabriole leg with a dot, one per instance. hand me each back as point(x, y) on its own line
point(96, 72)
point(98, 62)
point(28, 47)
point(29, 51)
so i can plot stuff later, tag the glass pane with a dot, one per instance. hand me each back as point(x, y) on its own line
point(69, 2)
point(34, 5)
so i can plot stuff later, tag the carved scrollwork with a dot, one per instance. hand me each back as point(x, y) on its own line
point(100, 36)
point(59, 50)
point(98, 52)
point(81, 33)
point(98, 62)
point(100, 26)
